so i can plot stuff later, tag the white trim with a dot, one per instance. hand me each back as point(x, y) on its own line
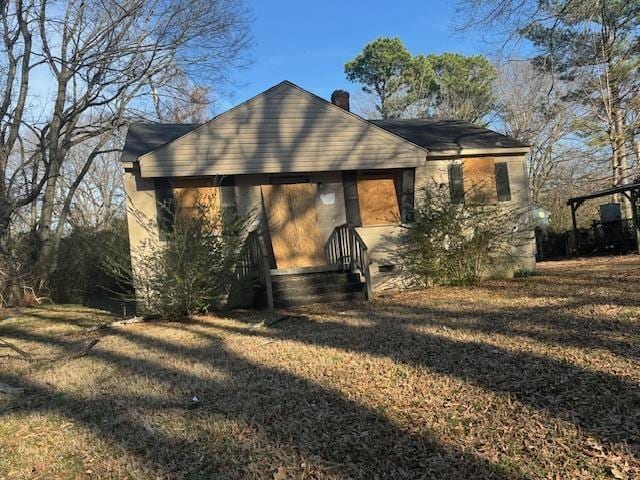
point(466, 152)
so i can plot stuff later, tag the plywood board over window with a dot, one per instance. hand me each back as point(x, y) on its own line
point(378, 198)
point(190, 194)
point(479, 180)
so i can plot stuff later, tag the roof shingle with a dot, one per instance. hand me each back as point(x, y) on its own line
point(144, 137)
point(434, 135)
point(441, 135)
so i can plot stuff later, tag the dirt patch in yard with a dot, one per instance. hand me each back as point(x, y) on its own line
point(535, 377)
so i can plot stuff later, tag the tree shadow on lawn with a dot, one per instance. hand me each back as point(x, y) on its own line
point(543, 324)
point(605, 405)
point(77, 317)
point(295, 416)
point(581, 288)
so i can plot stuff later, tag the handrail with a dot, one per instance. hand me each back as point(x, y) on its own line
point(337, 250)
point(254, 258)
point(346, 249)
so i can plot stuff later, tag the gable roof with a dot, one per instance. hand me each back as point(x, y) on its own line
point(449, 135)
point(284, 129)
point(144, 137)
point(256, 137)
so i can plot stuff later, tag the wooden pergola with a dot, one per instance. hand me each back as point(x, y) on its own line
point(631, 191)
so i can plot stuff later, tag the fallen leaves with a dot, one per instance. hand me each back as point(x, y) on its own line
point(529, 378)
point(281, 474)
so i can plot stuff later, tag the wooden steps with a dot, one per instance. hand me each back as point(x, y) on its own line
point(316, 287)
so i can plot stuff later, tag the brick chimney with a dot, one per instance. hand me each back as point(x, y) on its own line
point(341, 99)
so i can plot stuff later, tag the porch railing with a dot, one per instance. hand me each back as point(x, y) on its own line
point(254, 260)
point(346, 250)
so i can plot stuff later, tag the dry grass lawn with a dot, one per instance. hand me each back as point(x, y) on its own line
point(535, 377)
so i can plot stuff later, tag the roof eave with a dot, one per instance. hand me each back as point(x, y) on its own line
point(128, 165)
point(466, 152)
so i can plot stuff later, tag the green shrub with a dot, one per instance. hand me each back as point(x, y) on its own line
point(18, 283)
point(457, 243)
point(192, 268)
point(82, 275)
point(524, 273)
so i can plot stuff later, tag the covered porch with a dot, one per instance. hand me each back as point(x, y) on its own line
point(629, 191)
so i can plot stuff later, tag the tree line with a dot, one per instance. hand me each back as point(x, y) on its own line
point(565, 79)
point(72, 75)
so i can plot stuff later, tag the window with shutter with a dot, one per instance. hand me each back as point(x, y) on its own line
point(502, 182)
point(456, 186)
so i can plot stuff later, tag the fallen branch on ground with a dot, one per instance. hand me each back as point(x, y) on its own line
point(118, 323)
point(278, 318)
point(81, 352)
point(85, 350)
point(19, 351)
point(33, 296)
point(4, 388)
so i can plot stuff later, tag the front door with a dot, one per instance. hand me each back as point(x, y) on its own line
point(293, 224)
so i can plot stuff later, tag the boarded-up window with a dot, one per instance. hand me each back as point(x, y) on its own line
point(502, 182)
point(378, 198)
point(192, 195)
point(456, 185)
point(480, 180)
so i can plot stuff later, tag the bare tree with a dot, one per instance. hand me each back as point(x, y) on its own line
point(530, 109)
point(17, 160)
point(590, 47)
point(180, 101)
point(98, 201)
point(105, 59)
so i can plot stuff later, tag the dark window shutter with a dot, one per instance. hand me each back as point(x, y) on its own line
point(408, 193)
point(502, 182)
point(456, 185)
point(228, 199)
point(351, 203)
point(165, 205)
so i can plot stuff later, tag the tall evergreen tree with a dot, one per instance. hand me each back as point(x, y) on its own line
point(381, 68)
point(448, 85)
point(593, 48)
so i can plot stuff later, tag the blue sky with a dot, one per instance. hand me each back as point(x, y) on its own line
point(309, 42)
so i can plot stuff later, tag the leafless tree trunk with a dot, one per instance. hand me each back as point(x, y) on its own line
point(102, 57)
point(528, 108)
point(590, 48)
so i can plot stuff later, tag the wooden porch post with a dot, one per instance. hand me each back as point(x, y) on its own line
point(576, 241)
point(634, 216)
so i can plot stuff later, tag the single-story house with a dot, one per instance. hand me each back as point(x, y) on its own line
point(330, 188)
